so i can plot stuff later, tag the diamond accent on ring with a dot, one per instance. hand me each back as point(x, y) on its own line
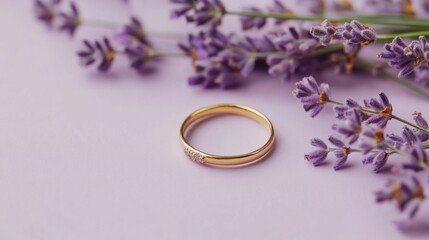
point(194, 156)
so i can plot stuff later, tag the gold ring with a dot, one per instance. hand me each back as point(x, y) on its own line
point(213, 111)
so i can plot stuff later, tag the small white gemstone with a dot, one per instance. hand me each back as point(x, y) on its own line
point(196, 157)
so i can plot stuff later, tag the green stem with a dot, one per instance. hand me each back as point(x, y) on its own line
point(409, 123)
point(404, 34)
point(169, 54)
point(327, 49)
point(100, 24)
point(368, 20)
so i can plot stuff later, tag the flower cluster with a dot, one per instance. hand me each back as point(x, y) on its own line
point(50, 14)
point(200, 12)
point(136, 47)
point(353, 33)
point(219, 59)
point(361, 130)
point(363, 125)
point(406, 58)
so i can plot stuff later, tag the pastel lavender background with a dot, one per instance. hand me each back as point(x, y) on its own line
point(88, 156)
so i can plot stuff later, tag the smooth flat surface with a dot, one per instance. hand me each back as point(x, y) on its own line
point(86, 156)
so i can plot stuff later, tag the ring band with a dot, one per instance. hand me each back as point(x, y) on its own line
point(235, 160)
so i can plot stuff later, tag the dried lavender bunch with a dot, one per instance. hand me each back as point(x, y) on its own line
point(361, 130)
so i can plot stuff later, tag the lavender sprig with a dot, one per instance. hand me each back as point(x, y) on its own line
point(200, 12)
point(353, 33)
point(406, 58)
point(70, 21)
point(364, 125)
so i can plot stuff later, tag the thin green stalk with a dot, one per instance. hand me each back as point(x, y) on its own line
point(392, 116)
point(410, 124)
point(327, 49)
point(367, 20)
point(403, 34)
point(100, 24)
point(169, 54)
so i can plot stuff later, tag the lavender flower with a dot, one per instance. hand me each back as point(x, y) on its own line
point(316, 157)
point(351, 127)
point(132, 34)
point(205, 44)
point(421, 122)
point(70, 21)
point(220, 61)
point(312, 95)
point(139, 56)
point(382, 110)
point(99, 51)
point(249, 22)
point(405, 57)
point(292, 44)
point(418, 159)
point(343, 111)
point(46, 11)
point(341, 153)
point(200, 12)
point(353, 33)
point(372, 138)
point(407, 194)
point(378, 158)
point(405, 141)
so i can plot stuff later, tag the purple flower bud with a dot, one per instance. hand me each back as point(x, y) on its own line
point(311, 94)
point(99, 51)
point(139, 56)
point(383, 109)
point(200, 12)
point(353, 33)
point(46, 12)
point(70, 21)
point(421, 122)
point(372, 138)
point(316, 157)
point(132, 34)
point(351, 127)
point(380, 160)
point(406, 58)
